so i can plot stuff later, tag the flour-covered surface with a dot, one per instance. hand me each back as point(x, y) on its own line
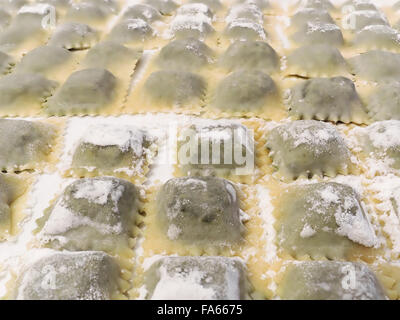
point(87, 229)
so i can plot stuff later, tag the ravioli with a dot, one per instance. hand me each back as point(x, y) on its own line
point(24, 93)
point(166, 7)
point(384, 102)
point(25, 144)
point(131, 32)
point(319, 33)
point(377, 36)
point(333, 99)
point(11, 188)
point(215, 149)
point(381, 140)
point(185, 54)
point(87, 12)
point(143, 12)
point(359, 19)
point(175, 87)
point(86, 275)
point(244, 29)
point(195, 9)
point(245, 11)
point(306, 148)
point(88, 90)
point(47, 61)
point(245, 91)
point(304, 16)
point(6, 63)
point(361, 5)
point(113, 150)
point(322, 220)
point(319, 4)
point(91, 214)
point(250, 55)
point(5, 19)
point(330, 280)
point(316, 60)
point(74, 36)
point(12, 5)
point(196, 278)
point(202, 211)
point(214, 5)
point(376, 65)
point(111, 56)
point(197, 25)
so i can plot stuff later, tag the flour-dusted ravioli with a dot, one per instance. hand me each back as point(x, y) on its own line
point(166, 7)
point(74, 36)
point(245, 11)
point(111, 6)
point(245, 91)
point(185, 54)
point(25, 144)
point(11, 188)
point(196, 278)
point(377, 37)
point(330, 280)
point(6, 63)
point(376, 65)
point(111, 56)
point(142, 11)
point(195, 9)
point(306, 148)
point(359, 19)
point(318, 4)
point(88, 90)
point(214, 5)
point(360, 5)
point(131, 32)
point(322, 220)
point(245, 29)
point(303, 16)
point(86, 275)
point(114, 150)
point(87, 12)
point(175, 87)
point(12, 5)
point(255, 55)
point(318, 33)
point(48, 61)
point(5, 19)
point(381, 141)
point(384, 102)
point(215, 149)
point(197, 25)
point(333, 99)
point(262, 4)
point(24, 93)
point(92, 214)
point(202, 211)
point(316, 60)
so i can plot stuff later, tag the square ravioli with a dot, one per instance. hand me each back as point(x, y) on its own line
point(26, 145)
point(86, 91)
point(305, 148)
point(92, 214)
point(200, 211)
point(12, 187)
point(196, 278)
point(381, 142)
point(142, 11)
point(74, 36)
point(23, 94)
point(90, 13)
point(87, 275)
point(384, 102)
point(131, 32)
point(223, 149)
point(191, 25)
point(318, 33)
point(333, 99)
point(113, 150)
point(322, 220)
point(330, 280)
